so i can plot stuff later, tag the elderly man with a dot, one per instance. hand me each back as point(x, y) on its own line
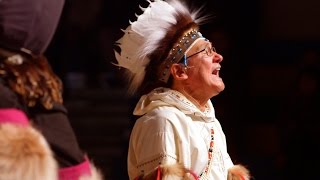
point(176, 70)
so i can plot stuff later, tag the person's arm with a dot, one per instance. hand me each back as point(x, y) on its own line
point(56, 128)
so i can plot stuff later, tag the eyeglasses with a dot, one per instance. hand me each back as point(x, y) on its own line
point(209, 51)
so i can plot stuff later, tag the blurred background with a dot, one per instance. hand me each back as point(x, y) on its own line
point(271, 70)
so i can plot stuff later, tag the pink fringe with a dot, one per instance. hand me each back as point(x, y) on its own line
point(15, 116)
point(75, 172)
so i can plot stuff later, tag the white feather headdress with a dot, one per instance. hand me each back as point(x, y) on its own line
point(164, 26)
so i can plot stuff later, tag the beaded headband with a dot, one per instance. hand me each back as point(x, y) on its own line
point(177, 53)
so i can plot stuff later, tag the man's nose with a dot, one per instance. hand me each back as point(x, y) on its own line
point(217, 58)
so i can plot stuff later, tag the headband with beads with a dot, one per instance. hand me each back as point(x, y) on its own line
point(178, 52)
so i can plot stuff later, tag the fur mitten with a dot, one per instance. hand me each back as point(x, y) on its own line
point(25, 154)
point(238, 172)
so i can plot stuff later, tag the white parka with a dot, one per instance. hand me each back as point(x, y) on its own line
point(171, 129)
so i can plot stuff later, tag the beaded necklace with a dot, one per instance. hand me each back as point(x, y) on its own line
point(204, 174)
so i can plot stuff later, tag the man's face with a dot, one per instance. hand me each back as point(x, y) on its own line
point(203, 69)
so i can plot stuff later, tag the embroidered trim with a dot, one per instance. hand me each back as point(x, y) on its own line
point(188, 103)
point(162, 156)
point(204, 174)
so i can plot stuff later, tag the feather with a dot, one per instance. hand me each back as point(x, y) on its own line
point(142, 8)
point(145, 36)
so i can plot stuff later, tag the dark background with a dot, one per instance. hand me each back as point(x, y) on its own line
point(270, 68)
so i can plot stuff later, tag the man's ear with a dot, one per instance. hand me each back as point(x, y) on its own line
point(178, 72)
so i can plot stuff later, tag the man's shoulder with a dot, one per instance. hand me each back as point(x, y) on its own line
point(170, 112)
